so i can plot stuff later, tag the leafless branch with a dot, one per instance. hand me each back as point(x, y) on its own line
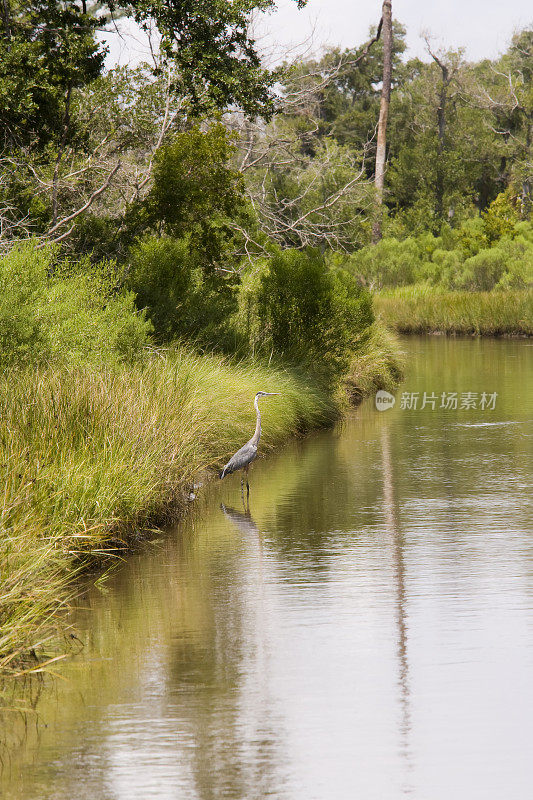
point(85, 206)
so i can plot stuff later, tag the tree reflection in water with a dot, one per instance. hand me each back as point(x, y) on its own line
point(392, 521)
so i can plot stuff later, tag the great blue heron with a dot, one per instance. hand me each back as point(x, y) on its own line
point(244, 457)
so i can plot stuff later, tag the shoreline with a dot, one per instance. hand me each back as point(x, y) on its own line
point(461, 333)
point(96, 461)
point(421, 309)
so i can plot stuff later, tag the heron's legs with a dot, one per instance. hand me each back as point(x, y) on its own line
point(247, 485)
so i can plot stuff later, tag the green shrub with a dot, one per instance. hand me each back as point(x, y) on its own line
point(161, 276)
point(51, 310)
point(508, 265)
point(481, 272)
point(182, 298)
point(500, 218)
point(518, 258)
point(472, 237)
point(525, 230)
point(390, 262)
point(308, 314)
point(22, 286)
point(443, 267)
point(487, 252)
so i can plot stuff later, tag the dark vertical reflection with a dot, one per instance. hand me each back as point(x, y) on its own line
point(392, 521)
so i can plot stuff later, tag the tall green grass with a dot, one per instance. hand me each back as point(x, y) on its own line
point(422, 309)
point(378, 364)
point(101, 436)
point(88, 456)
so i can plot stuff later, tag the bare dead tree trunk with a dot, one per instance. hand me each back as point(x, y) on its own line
point(447, 76)
point(383, 116)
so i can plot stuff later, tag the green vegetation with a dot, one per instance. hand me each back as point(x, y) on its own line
point(493, 251)
point(96, 158)
point(88, 456)
point(170, 244)
point(56, 311)
point(312, 317)
point(379, 364)
point(475, 279)
point(422, 309)
point(101, 431)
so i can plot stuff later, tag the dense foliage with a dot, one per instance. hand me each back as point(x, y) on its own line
point(54, 311)
point(220, 222)
point(492, 251)
point(47, 51)
point(459, 134)
point(297, 308)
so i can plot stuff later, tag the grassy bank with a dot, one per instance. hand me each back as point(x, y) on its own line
point(378, 365)
point(101, 435)
point(421, 309)
point(90, 458)
point(87, 457)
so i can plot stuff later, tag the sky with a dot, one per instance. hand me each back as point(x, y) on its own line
point(482, 27)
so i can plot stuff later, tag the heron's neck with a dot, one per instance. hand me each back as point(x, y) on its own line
point(257, 434)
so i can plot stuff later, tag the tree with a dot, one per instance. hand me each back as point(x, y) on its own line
point(342, 90)
point(182, 263)
point(47, 51)
point(383, 114)
point(448, 68)
point(444, 157)
point(196, 191)
point(308, 183)
point(55, 170)
point(215, 57)
point(505, 90)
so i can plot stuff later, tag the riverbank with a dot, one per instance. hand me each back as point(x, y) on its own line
point(356, 538)
point(422, 309)
point(379, 364)
point(89, 459)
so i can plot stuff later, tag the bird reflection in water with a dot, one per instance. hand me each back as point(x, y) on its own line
point(245, 523)
point(242, 519)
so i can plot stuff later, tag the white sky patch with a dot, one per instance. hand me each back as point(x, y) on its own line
point(482, 27)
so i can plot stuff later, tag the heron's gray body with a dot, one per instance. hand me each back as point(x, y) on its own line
point(244, 457)
point(241, 459)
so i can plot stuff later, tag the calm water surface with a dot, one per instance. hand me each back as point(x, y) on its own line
point(365, 632)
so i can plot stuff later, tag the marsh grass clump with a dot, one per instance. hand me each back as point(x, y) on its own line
point(422, 309)
point(378, 364)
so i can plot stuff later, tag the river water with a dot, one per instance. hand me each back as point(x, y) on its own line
point(365, 631)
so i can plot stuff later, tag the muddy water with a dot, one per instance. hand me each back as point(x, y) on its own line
point(364, 632)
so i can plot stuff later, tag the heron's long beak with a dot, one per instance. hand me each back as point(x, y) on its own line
point(272, 394)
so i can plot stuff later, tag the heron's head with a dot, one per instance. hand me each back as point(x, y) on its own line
point(268, 394)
